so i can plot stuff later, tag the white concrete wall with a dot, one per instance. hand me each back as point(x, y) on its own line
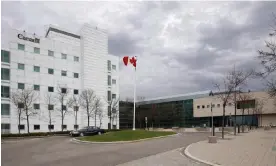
point(92, 68)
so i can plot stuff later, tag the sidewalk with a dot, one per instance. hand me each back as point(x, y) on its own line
point(170, 158)
point(256, 148)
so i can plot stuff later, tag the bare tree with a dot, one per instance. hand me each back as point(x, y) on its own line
point(258, 109)
point(74, 103)
point(87, 98)
point(243, 99)
point(24, 99)
point(97, 106)
point(224, 96)
point(100, 115)
point(62, 98)
point(268, 59)
point(16, 100)
point(237, 78)
point(50, 101)
point(112, 108)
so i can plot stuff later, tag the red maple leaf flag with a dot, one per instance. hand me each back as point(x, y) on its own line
point(131, 60)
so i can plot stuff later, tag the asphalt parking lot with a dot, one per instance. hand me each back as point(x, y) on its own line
point(61, 151)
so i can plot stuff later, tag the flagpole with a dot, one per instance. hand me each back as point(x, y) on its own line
point(134, 98)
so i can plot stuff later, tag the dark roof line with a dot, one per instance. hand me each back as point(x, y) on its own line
point(62, 32)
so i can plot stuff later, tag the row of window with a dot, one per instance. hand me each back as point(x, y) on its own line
point(5, 90)
point(5, 56)
point(6, 72)
point(50, 53)
point(5, 108)
point(7, 126)
point(213, 106)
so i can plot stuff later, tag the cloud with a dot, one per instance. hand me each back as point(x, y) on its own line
point(181, 46)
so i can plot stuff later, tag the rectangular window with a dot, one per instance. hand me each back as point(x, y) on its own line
point(37, 87)
point(203, 106)
point(76, 59)
point(109, 95)
point(50, 53)
point(51, 127)
point(109, 65)
point(218, 105)
point(5, 91)
point(21, 47)
point(36, 127)
point(64, 127)
point(114, 67)
point(63, 73)
point(113, 96)
point(50, 107)
point(213, 105)
point(21, 66)
point(76, 91)
point(20, 105)
point(76, 127)
point(63, 90)
point(63, 56)
point(63, 107)
point(114, 81)
point(5, 109)
point(50, 89)
point(229, 104)
point(21, 127)
point(36, 50)
point(36, 69)
point(50, 71)
point(76, 75)
point(21, 86)
point(5, 128)
point(109, 110)
point(5, 56)
point(198, 107)
point(109, 80)
point(5, 74)
point(208, 106)
point(36, 106)
point(76, 108)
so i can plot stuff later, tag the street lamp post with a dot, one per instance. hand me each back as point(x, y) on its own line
point(213, 131)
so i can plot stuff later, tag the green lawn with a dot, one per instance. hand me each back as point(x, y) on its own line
point(125, 135)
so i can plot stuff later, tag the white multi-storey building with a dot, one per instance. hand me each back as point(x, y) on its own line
point(60, 59)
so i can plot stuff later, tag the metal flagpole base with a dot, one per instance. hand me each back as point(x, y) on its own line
point(133, 129)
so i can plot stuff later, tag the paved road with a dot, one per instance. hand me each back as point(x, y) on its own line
point(62, 152)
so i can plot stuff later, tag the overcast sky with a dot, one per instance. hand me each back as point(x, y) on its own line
point(181, 47)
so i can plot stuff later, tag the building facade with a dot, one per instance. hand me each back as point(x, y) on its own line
point(59, 60)
point(194, 110)
point(257, 108)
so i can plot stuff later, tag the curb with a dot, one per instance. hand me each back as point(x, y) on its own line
point(121, 142)
point(188, 154)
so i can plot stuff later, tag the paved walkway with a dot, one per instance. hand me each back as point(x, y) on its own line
point(256, 148)
point(170, 158)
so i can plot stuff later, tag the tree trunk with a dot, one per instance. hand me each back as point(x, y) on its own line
point(243, 120)
point(95, 119)
point(19, 123)
point(62, 121)
point(50, 121)
point(223, 116)
point(76, 118)
point(235, 103)
point(28, 125)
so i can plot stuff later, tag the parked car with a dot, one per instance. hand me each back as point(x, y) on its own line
point(89, 130)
